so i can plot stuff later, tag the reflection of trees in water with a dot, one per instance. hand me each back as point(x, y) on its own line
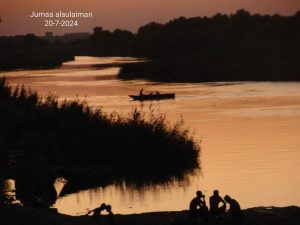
point(131, 187)
point(133, 184)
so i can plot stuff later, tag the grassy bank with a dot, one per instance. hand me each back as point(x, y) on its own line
point(10, 215)
point(47, 138)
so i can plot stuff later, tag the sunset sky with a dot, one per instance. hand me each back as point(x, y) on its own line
point(126, 14)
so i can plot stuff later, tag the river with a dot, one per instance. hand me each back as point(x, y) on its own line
point(249, 134)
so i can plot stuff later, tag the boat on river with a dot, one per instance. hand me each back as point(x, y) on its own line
point(152, 97)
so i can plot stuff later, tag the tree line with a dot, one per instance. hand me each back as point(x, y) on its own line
point(240, 46)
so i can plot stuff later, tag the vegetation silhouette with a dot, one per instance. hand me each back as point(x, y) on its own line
point(47, 138)
point(29, 51)
point(235, 47)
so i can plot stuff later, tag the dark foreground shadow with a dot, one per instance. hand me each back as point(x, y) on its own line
point(255, 216)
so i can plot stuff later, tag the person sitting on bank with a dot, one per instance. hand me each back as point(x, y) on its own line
point(215, 209)
point(235, 213)
point(198, 208)
point(111, 216)
point(96, 212)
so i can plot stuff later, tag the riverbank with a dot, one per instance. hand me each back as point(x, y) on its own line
point(17, 215)
point(48, 139)
point(253, 66)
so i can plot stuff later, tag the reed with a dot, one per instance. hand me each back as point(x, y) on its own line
point(71, 134)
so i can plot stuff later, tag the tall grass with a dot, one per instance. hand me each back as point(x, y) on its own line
point(70, 134)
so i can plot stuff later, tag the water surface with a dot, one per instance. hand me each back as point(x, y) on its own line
point(249, 134)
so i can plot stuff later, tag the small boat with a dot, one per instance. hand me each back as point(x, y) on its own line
point(151, 97)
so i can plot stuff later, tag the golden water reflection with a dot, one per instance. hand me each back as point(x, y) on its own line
point(249, 132)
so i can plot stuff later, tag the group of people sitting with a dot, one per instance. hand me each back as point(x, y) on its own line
point(217, 211)
point(198, 209)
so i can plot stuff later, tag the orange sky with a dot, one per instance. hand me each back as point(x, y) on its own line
point(126, 14)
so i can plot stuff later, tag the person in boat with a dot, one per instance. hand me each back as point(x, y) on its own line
point(157, 93)
point(235, 214)
point(141, 92)
point(214, 201)
point(96, 212)
point(198, 208)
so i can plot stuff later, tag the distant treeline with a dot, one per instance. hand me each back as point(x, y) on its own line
point(29, 51)
point(198, 35)
point(240, 46)
point(220, 48)
point(41, 138)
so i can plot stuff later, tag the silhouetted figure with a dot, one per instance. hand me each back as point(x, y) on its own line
point(234, 213)
point(198, 208)
point(141, 92)
point(96, 212)
point(111, 216)
point(214, 202)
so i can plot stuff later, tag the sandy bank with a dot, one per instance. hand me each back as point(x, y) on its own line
point(16, 215)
